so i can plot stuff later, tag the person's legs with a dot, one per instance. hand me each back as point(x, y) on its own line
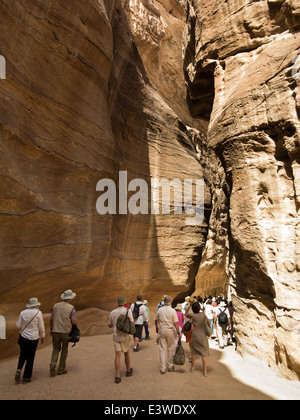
point(127, 361)
point(146, 331)
point(137, 335)
point(136, 342)
point(204, 362)
point(162, 352)
point(224, 335)
point(64, 339)
point(118, 363)
point(190, 346)
point(211, 323)
point(193, 360)
point(22, 358)
point(56, 343)
point(23, 353)
point(220, 336)
point(129, 370)
point(32, 346)
point(170, 349)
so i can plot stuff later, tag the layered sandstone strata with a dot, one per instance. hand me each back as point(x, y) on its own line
point(241, 71)
point(78, 105)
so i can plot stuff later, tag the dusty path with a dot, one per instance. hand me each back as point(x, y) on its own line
point(91, 377)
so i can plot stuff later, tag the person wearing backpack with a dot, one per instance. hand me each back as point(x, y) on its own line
point(221, 321)
point(121, 340)
point(139, 312)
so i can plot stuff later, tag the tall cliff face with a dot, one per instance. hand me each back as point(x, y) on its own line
point(79, 105)
point(98, 87)
point(241, 72)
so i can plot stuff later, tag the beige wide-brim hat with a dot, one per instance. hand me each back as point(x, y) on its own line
point(178, 307)
point(145, 302)
point(32, 303)
point(68, 295)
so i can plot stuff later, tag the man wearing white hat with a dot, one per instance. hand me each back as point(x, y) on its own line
point(63, 316)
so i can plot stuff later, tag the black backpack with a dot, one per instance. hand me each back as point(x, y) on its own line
point(136, 311)
point(222, 318)
point(74, 335)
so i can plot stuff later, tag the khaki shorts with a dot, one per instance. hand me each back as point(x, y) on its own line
point(123, 345)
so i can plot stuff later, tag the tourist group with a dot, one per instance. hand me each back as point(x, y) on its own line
point(195, 322)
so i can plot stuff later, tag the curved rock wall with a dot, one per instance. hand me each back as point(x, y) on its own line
point(78, 106)
point(242, 76)
point(95, 88)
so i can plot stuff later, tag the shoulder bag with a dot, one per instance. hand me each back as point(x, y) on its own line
point(125, 325)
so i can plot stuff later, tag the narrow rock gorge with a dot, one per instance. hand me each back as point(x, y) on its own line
point(239, 64)
point(165, 89)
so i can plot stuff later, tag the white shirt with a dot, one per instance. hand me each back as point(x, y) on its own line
point(166, 317)
point(142, 313)
point(209, 311)
point(36, 328)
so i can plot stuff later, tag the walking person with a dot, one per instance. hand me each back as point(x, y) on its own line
point(121, 340)
point(63, 316)
point(31, 326)
point(199, 344)
point(139, 312)
point(146, 324)
point(165, 321)
point(160, 304)
point(221, 321)
point(209, 312)
point(188, 334)
point(180, 317)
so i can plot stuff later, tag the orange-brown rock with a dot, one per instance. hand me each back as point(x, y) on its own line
point(242, 76)
point(78, 105)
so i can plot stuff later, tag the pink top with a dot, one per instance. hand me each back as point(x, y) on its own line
point(180, 317)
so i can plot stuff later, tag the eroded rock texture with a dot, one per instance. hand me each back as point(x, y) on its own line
point(98, 87)
point(241, 70)
point(79, 105)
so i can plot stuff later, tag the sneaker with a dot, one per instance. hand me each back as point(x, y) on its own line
point(192, 370)
point(26, 380)
point(162, 372)
point(117, 380)
point(171, 369)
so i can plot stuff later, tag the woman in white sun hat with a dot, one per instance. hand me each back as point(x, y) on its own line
point(31, 327)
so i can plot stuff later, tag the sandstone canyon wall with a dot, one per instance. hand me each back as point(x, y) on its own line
point(78, 106)
point(102, 86)
point(241, 69)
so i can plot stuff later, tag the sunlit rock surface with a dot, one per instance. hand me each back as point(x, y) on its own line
point(242, 75)
point(79, 105)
